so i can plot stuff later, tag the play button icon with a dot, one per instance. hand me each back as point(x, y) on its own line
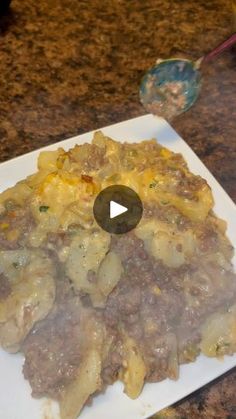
point(117, 209)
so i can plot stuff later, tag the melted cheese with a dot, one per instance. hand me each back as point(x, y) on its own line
point(62, 193)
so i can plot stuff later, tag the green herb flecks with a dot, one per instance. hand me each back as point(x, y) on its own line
point(164, 202)
point(153, 184)
point(43, 208)
point(16, 265)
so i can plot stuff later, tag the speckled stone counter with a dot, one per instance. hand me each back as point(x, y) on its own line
point(68, 66)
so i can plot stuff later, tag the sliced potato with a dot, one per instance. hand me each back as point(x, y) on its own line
point(30, 300)
point(109, 273)
point(87, 382)
point(86, 253)
point(134, 371)
point(219, 334)
point(165, 242)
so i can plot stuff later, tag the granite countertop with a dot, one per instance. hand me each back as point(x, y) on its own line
point(69, 66)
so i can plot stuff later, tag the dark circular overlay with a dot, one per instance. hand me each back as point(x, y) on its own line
point(121, 195)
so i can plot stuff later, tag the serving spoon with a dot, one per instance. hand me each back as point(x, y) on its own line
point(172, 86)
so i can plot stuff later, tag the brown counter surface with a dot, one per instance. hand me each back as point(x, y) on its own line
point(69, 66)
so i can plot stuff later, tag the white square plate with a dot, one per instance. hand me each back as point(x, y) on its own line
point(15, 399)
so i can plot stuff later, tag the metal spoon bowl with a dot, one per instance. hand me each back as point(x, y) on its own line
point(178, 74)
point(172, 86)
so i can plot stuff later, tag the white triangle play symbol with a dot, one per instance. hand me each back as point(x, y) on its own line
point(116, 209)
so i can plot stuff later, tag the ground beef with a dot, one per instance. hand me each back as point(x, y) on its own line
point(112, 363)
point(157, 356)
point(129, 300)
point(193, 317)
point(167, 213)
point(15, 225)
point(189, 185)
point(126, 246)
point(208, 238)
point(52, 351)
point(148, 315)
point(5, 244)
point(57, 240)
point(149, 304)
point(5, 287)
point(145, 312)
point(123, 304)
point(89, 156)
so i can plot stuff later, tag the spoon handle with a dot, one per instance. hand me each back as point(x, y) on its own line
point(220, 48)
